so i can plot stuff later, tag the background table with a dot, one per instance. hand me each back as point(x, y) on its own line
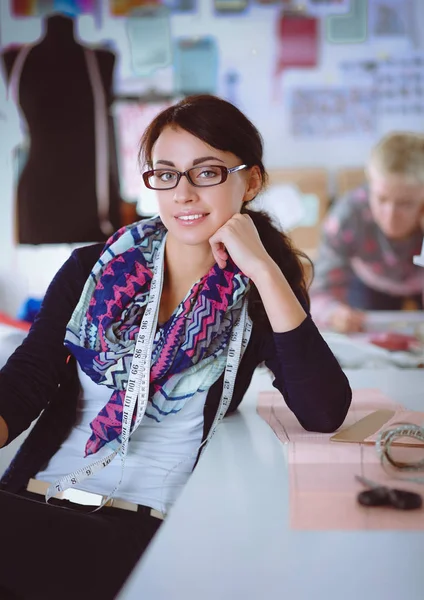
point(355, 350)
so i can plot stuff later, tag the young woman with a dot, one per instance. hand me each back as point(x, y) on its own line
point(205, 292)
point(364, 260)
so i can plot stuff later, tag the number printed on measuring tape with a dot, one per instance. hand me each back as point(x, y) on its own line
point(137, 388)
point(239, 339)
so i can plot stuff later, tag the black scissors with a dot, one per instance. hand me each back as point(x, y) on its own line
point(380, 495)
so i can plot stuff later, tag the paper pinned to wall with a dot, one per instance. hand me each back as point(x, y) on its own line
point(398, 82)
point(391, 18)
point(400, 85)
point(322, 112)
point(351, 28)
point(123, 8)
point(180, 5)
point(149, 35)
point(131, 119)
point(284, 204)
point(230, 6)
point(36, 8)
point(196, 65)
point(297, 42)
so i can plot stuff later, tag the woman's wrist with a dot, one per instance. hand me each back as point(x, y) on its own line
point(283, 309)
point(266, 270)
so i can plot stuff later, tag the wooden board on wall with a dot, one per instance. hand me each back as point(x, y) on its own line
point(309, 181)
point(348, 179)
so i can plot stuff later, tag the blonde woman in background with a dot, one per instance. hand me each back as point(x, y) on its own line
point(369, 237)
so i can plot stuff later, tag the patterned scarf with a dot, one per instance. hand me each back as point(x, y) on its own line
point(190, 350)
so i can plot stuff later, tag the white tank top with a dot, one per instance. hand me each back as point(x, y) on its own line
point(160, 457)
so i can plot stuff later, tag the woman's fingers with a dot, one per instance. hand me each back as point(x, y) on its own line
point(238, 238)
point(219, 253)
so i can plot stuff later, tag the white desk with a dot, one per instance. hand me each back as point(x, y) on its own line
point(394, 320)
point(228, 536)
point(10, 338)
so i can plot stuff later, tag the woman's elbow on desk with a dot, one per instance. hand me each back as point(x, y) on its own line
point(321, 404)
point(324, 425)
point(329, 420)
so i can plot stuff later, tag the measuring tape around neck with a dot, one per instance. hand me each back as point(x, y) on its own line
point(137, 386)
point(137, 390)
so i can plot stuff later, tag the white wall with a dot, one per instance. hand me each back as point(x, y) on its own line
point(247, 43)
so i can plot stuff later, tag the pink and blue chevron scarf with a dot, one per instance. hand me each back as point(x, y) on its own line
point(190, 349)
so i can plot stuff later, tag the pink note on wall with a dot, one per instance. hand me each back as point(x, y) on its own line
point(322, 484)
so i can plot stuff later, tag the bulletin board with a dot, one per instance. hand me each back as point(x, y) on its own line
point(246, 34)
point(348, 179)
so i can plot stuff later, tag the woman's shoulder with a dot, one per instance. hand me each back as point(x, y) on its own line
point(87, 256)
point(75, 271)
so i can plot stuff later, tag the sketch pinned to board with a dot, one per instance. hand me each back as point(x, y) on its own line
point(149, 36)
point(400, 86)
point(124, 8)
point(230, 6)
point(397, 82)
point(196, 63)
point(297, 42)
point(332, 112)
point(131, 120)
point(37, 8)
point(349, 28)
point(180, 5)
point(391, 18)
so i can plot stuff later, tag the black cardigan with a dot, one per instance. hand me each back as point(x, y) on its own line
point(40, 375)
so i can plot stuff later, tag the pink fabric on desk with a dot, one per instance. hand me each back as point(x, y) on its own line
point(322, 484)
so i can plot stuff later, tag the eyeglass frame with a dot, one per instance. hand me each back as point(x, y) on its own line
point(224, 170)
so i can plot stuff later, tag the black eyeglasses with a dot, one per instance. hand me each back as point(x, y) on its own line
point(204, 176)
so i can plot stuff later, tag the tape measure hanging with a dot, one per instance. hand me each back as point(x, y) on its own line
point(101, 139)
point(137, 391)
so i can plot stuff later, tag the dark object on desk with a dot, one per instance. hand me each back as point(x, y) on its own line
point(380, 495)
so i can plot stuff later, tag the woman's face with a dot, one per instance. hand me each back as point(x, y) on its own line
point(193, 214)
point(397, 204)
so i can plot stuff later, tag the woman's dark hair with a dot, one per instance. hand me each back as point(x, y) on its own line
point(221, 125)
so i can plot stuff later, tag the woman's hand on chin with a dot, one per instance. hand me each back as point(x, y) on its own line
point(239, 239)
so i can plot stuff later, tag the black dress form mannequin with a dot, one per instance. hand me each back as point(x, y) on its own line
point(57, 194)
